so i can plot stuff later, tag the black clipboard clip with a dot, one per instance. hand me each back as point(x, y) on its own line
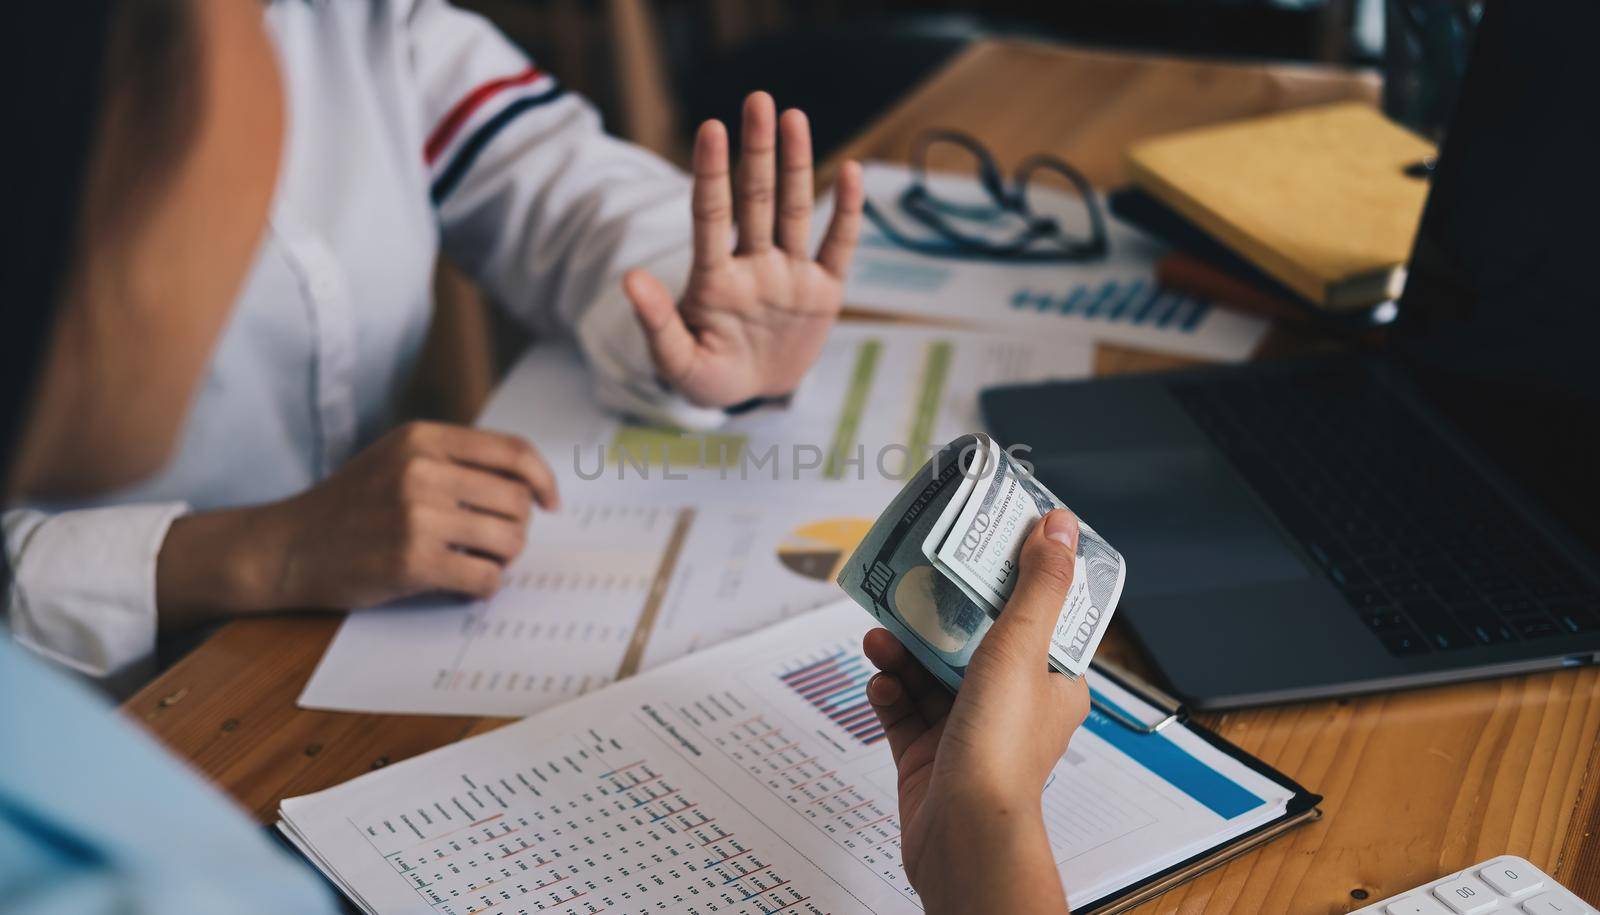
point(1176, 711)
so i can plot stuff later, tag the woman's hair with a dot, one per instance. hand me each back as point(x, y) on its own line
point(149, 98)
point(99, 97)
point(52, 83)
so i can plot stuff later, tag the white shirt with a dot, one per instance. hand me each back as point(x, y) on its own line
point(412, 125)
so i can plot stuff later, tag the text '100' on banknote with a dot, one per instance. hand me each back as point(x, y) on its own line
point(940, 563)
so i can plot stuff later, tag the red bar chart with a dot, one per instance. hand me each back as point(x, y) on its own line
point(836, 685)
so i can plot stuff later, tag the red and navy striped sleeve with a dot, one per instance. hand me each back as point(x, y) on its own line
point(482, 111)
point(473, 87)
point(541, 206)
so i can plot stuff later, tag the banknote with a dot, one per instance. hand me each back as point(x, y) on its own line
point(939, 565)
point(980, 550)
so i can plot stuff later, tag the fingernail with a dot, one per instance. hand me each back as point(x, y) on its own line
point(883, 689)
point(1062, 527)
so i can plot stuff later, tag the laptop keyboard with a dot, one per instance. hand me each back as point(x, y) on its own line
point(1423, 549)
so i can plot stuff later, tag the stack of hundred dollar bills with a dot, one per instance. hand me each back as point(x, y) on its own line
point(938, 566)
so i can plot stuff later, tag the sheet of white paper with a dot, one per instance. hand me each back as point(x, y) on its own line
point(1114, 299)
point(601, 592)
point(560, 626)
point(646, 563)
point(750, 778)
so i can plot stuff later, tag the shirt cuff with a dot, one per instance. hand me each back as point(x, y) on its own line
point(83, 591)
point(613, 343)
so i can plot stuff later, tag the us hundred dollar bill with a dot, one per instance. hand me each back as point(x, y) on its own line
point(939, 565)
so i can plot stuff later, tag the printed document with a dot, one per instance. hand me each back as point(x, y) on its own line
point(749, 778)
point(678, 541)
point(880, 398)
point(1115, 299)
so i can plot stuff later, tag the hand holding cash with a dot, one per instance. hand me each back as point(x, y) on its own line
point(941, 562)
point(971, 766)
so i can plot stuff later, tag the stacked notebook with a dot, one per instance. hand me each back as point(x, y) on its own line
point(753, 778)
point(1316, 207)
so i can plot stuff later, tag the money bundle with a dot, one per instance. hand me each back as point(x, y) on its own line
point(940, 563)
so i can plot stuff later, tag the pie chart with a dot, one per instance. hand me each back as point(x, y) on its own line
point(818, 549)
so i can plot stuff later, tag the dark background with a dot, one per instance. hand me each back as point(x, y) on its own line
point(656, 67)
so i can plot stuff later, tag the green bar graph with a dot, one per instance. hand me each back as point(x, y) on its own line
point(654, 446)
point(930, 396)
point(855, 404)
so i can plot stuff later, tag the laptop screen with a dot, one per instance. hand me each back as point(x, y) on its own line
point(1501, 312)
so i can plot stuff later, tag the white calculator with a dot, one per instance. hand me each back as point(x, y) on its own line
point(1506, 885)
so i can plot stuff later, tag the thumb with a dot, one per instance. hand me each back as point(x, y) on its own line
point(672, 346)
point(1045, 569)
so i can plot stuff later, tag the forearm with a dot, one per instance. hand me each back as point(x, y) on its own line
point(218, 564)
point(990, 856)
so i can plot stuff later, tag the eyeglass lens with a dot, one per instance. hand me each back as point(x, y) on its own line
point(945, 155)
point(1049, 191)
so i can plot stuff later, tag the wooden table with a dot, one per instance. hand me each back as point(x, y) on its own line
point(1417, 783)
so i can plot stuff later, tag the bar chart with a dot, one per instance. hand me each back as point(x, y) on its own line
point(836, 685)
point(1133, 302)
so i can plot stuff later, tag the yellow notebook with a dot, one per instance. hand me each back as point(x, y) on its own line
point(1319, 197)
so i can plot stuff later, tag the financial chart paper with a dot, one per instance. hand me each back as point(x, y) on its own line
point(1115, 299)
point(742, 779)
point(878, 400)
point(602, 592)
point(640, 570)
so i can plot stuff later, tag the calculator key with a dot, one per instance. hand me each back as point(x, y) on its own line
point(1555, 902)
point(1512, 878)
point(1415, 905)
point(1466, 895)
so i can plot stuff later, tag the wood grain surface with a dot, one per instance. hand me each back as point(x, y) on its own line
point(1416, 783)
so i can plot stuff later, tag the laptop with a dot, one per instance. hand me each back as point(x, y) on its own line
point(1422, 512)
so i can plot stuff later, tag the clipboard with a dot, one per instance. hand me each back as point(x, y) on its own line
point(1301, 808)
point(666, 719)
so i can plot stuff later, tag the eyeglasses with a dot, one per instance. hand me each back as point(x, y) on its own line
point(1025, 221)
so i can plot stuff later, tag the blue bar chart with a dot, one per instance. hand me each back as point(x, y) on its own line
point(835, 684)
point(1136, 302)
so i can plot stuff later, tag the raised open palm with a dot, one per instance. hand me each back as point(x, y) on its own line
point(754, 315)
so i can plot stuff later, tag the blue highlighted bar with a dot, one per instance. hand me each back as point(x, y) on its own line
point(1156, 296)
point(1201, 306)
point(1171, 310)
point(1172, 764)
point(1135, 302)
point(1128, 299)
point(1106, 292)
